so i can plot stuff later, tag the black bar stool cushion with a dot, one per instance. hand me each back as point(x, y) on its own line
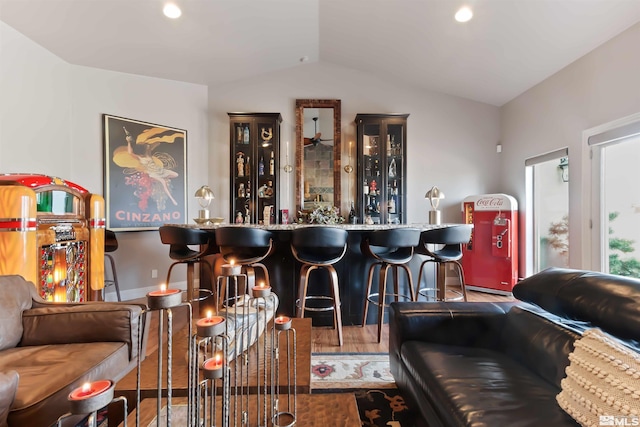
point(394, 246)
point(319, 245)
point(110, 241)
point(452, 237)
point(180, 238)
point(245, 245)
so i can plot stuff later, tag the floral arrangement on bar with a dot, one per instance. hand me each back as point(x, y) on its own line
point(321, 215)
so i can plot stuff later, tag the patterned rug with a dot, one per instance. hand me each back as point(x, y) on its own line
point(350, 371)
point(384, 408)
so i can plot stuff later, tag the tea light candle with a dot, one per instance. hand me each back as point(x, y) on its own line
point(210, 326)
point(261, 290)
point(213, 367)
point(282, 323)
point(164, 298)
point(91, 396)
point(231, 269)
point(89, 390)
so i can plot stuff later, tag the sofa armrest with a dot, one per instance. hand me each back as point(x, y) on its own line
point(467, 324)
point(84, 323)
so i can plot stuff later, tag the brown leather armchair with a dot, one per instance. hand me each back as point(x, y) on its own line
point(55, 348)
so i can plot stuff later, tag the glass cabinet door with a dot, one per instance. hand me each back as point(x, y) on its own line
point(381, 168)
point(395, 175)
point(255, 141)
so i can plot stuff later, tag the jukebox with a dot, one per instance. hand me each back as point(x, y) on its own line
point(52, 234)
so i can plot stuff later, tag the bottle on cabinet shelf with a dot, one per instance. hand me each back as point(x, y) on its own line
point(261, 166)
point(245, 135)
point(272, 164)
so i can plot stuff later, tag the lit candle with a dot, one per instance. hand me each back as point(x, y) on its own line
point(91, 396)
point(282, 323)
point(261, 290)
point(213, 367)
point(231, 269)
point(164, 298)
point(88, 390)
point(210, 326)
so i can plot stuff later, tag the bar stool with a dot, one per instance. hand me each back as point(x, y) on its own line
point(393, 249)
point(180, 239)
point(246, 246)
point(316, 248)
point(110, 245)
point(448, 242)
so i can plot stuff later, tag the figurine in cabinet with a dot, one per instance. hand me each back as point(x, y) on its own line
point(240, 162)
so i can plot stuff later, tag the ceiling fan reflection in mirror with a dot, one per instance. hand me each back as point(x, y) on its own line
point(317, 138)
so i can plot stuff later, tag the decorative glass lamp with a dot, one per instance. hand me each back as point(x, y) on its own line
point(434, 195)
point(204, 196)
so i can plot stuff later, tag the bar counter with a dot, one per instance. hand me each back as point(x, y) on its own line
point(352, 270)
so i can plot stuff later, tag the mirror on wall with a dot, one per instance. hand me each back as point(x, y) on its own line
point(317, 153)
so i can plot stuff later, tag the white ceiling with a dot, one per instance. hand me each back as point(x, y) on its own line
point(508, 47)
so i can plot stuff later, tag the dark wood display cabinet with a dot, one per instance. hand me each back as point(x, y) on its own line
point(382, 170)
point(255, 153)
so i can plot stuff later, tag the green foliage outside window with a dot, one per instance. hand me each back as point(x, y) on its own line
point(629, 267)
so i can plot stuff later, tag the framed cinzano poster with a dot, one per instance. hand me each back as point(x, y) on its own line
point(145, 168)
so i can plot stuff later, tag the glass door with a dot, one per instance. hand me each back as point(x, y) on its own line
point(620, 207)
point(547, 226)
point(372, 187)
point(395, 178)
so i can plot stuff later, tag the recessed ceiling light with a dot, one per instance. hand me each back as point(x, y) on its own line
point(464, 14)
point(171, 11)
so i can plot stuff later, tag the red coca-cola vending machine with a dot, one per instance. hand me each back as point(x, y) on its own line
point(490, 259)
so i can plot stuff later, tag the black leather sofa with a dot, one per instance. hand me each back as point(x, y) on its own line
point(500, 364)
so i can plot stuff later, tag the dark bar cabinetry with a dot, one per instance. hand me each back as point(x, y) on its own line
point(381, 181)
point(255, 149)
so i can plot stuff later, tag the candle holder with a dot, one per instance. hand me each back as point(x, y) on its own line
point(90, 398)
point(284, 404)
point(238, 385)
point(164, 301)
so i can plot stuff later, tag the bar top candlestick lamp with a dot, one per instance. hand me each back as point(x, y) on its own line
point(204, 196)
point(434, 195)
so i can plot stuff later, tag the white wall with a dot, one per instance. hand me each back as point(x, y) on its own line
point(451, 141)
point(598, 88)
point(51, 123)
point(35, 107)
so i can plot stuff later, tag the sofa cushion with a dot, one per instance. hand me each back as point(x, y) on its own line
point(482, 387)
point(602, 380)
point(15, 297)
point(8, 388)
point(49, 373)
point(606, 301)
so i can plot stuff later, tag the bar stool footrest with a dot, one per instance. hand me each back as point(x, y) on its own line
point(316, 298)
point(377, 295)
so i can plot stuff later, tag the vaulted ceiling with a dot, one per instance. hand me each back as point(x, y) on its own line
point(508, 46)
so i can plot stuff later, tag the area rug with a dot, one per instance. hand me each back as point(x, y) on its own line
point(350, 371)
point(377, 408)
point(384, 408)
